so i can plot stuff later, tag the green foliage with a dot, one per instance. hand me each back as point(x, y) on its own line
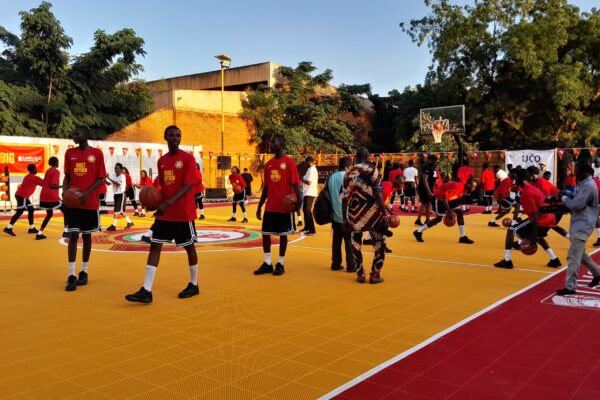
point(527, 70)
point(43, 94)
point(305, 109)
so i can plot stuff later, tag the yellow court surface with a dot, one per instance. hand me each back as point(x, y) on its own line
point(298, 336)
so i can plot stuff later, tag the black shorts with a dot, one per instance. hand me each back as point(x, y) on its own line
point(23, 203)
point(523, 230)
point(410, 189)
point(82, 221)
point(276, 223)
point(488, 193)
point(119, 200)
point(423, 194)
point(439, 208)
point(50, 205)
point(130, 193)
point(183, 233)
point(198, 196)
point(507, 203)
point(239, 197)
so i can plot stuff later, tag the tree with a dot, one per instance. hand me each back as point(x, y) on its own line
point(305, 109)
point(43, 94)
point(528, 70)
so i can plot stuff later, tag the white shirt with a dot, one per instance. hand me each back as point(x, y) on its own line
point(596, 172)
point(312, 175)
point(121, 179)
point(410, 174)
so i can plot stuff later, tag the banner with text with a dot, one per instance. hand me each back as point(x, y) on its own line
point(16, 157)
point(543, 159)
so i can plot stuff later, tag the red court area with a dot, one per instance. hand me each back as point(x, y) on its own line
point(535, 345)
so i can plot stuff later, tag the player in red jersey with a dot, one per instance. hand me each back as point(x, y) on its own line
point(397, 170)
point(147, 237)
point(571, 179)
point(49, 198)
point(101, 192)
point(464, 174)
point(238, 198)
point(535, 227)
point(505, 196)
point(175, 216)
point(281, 179)
point(26, 189)
point(446, 199)
point(199, 191)
point(488, 185)
point(144, 181)
point(549, 190)
point(84, 170)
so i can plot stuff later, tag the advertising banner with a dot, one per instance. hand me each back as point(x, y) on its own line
point(17, 156)
point(543, 159)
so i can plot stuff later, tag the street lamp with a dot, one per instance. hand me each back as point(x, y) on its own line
point(225, 62)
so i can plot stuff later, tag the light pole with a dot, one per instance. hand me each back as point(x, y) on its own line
point(225, 62)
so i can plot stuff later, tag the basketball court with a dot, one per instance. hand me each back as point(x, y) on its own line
point(444, 324)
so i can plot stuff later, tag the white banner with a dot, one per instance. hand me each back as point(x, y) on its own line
point(543, 159)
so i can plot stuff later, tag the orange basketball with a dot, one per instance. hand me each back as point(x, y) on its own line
point(237, 189)
point(3, 178)
point(71, 198)
point(450, 219)
point(527, 247)
point(437, 126)
point(506, 222)
point(394, 221)
point(290, 202)
point(4, 197)
point(3, 188)
point(150, 197)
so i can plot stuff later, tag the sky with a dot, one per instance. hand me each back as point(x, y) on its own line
point(360, 40)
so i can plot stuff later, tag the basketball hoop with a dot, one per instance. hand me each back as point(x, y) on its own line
point(438, 128)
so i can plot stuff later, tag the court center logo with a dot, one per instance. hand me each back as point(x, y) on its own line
point(210, 238)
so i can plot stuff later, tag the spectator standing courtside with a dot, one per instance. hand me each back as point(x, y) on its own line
point(340, 233)
point(411, 179)
point(488, 185)
point(310, 192)
point(584, 214)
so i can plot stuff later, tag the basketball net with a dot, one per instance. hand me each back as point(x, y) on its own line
point(438, 128)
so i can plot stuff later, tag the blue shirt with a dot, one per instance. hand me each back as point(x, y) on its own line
point(335, 186)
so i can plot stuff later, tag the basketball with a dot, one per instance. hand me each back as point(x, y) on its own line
point(150, 197)
point(290, 202)
point(237, 189)
point(527, 247)
point(71, 198)
point(3, 178)
point(4, 197)
point(450, 219)
point(3, 188)
point(438, 127)
point(394, 221)
point(506, 222)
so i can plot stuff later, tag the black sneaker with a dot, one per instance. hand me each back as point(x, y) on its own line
point(554, 263)
point(9, 231)
point(336, 267)
point(565, 291)
point(368, 241)
point(104, 212)
point(351, 269)
point(486, 212)
point(83, 278)
point(189, 291)
point(597, 243)
point(493, 223)
point(387, 249)
point(146, 239)
point(418, 223)
point(32, 230)
point(71, 283)
point(129, 225)
point(515, 245)
point(40, 237)
point(595, 281)
point(111, 228)
point(279, 270)
point(504, 264)
point(419, 236)
point(244, 220)
point(465, 240)
point(264, 269)
point(299, 223)
point(141, 296)
point(66, 235)
point(202, 217)
point(142, 215)
point(136, 214)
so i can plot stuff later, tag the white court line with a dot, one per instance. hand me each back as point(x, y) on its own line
point(435, 337)
point(432, 260)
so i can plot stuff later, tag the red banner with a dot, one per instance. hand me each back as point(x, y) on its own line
point(17, 157)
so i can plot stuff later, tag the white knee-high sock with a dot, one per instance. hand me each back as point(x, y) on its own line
point(194, 274)
point(149, 278)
